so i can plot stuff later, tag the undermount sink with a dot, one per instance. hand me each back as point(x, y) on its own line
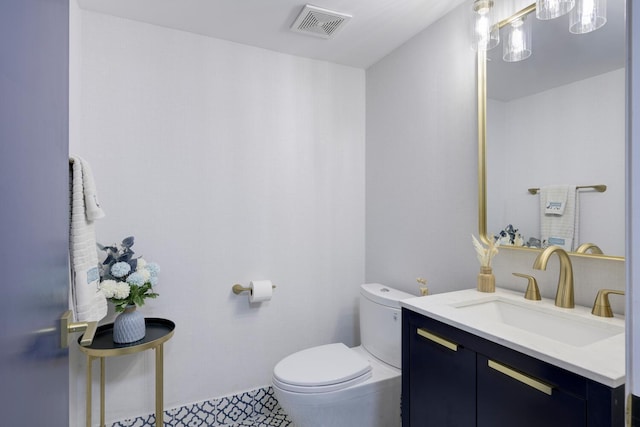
point(557, 325)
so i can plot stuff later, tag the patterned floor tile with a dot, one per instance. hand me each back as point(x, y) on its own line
point(255, 408)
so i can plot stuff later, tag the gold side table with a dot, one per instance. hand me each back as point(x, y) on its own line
point(158, 331)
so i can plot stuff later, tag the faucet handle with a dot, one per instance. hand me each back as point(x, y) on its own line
point(601, 306)
point(532, 292)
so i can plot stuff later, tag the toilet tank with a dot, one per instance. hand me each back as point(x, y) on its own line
point(381, 321)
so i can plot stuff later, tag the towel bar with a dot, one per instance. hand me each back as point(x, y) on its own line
point(600, 188)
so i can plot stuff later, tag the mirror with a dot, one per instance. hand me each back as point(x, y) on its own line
point(557, 117)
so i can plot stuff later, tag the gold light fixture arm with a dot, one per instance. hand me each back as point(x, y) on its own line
point(67, 326)
point(524, 12)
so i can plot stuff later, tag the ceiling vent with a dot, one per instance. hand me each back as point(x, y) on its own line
point(319, 22)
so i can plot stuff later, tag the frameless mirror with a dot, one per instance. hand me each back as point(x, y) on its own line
point(557, 117)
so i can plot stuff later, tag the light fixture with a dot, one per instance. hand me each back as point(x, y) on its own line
point(587, 16)
point(550, 9)
point(517, 44)
point(485, 34)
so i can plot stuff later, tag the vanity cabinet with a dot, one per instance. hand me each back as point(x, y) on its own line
point(451, 378)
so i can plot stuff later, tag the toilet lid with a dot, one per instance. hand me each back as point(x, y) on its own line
point(325, 368)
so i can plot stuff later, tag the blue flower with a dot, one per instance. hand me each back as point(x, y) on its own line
point(120, 269)
point(153, 280)
point(153, 268)
point(136, 278)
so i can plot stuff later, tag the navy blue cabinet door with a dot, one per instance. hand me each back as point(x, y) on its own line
point(507, 401)
point(442, 385)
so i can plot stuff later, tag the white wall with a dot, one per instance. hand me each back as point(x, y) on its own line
point(422, 161)
point(572, 134)
point(228, 163)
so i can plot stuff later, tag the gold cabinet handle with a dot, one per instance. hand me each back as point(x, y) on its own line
point(67, 326)
point(531, 382)
point(438, 340)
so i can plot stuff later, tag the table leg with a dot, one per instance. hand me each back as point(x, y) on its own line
point(159, 386)
point(102, 423)
point(88, 403)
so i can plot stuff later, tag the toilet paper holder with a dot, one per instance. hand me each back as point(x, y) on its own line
point(238, 289)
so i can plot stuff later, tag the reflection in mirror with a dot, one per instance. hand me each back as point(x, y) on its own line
point(557, 118)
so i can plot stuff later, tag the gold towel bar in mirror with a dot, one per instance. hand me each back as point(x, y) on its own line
point(600, 188)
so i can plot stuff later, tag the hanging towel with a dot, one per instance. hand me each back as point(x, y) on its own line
point(559, 216)
point(85, 300)
point(556, 199)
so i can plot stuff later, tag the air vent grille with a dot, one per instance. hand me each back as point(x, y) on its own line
point(319, 22)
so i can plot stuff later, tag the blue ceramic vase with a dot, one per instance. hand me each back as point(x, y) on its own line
point(129, 326)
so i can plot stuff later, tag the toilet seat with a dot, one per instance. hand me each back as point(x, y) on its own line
point(321, 369)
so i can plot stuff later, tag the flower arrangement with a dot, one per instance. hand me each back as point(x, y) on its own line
point(485, 255)
point(126, 280)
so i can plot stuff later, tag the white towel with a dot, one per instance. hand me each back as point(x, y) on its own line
point(559, 229)
point(555, 199)
point(85, 299)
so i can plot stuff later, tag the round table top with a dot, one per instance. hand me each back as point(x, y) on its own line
point(158, 331)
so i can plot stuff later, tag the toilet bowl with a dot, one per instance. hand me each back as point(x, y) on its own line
point(336, 386)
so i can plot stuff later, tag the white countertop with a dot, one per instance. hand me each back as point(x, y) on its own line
point(602, 361)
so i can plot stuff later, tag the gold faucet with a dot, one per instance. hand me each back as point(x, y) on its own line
point(564, 294)
point(601, 306)
point(532, 292)
point(583, 248)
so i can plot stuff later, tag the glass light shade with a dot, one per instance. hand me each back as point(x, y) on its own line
point(587, 16)
point(550, 9)
point(485, 34)
point(517, 43)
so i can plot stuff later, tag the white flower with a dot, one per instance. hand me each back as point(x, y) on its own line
point(141, 264)
point(122, 290)
point(113, 289)
point(146, 274)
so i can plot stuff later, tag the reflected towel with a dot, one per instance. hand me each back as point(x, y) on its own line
point(85, 300)
point(559, 230)
point(555, 199)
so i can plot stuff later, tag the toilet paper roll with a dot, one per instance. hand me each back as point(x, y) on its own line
point(261, 290)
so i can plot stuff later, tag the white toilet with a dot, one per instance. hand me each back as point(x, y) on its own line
point(336, 386)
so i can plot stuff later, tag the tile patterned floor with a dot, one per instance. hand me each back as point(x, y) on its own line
point(255, 408)
point(275, 419)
